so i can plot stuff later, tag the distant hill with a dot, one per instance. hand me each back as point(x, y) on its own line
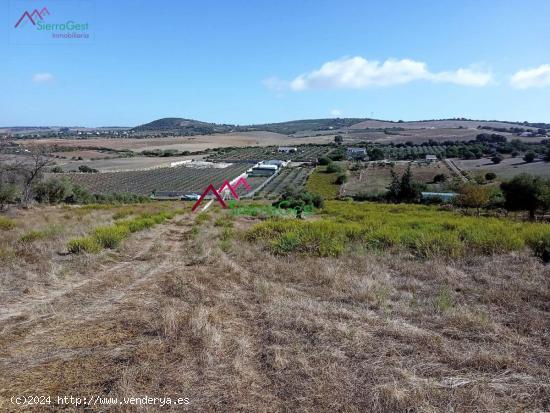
point(194, 127)
point(441, 124)
point(296, 126)
point(183, 126)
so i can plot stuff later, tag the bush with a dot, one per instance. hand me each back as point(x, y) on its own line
point(52, 191)
point(111, 236)
point(540, 244)
point(84, 244)
point(8, 194)
point(341, 179)
point(6, 223)
point(496, 159)
point(333, 168)
point(439, 178)
point(490, 176)
point(324, 161)
point(294, 199)
point(529, 157)
point(87, 169)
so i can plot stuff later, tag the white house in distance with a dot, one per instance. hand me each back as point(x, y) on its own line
point(431, 158)
point(287, 149)
point(356, 153)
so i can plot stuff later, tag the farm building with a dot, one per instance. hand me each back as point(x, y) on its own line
point(263, 170)
point(278, 163)
point(431, 158)
point(356, 153)
point(287, 149)
point(444, 196)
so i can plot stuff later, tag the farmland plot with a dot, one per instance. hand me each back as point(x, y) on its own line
point(179, 179)
point(305, 153)
point(376, 177)
point(288, 178)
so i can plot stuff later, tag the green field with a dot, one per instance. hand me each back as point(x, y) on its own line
point(422, 230)
point(323, 183)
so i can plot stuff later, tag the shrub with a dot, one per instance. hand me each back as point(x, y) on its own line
point(52, 191)
point(341, 179)
point(84, 244)
point(540, 244)
point(6, 223)
point(333, 168)
point(490, 176)
point(529, 157)
point(32, 236)
point(87, 169)
point(8, 194)
point(439, 178)
point(324, 161)
point(111, 236)
point(496, 159)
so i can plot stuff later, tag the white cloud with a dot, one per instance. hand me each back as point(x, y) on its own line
point(358, 73)
point(336, 113)
point(526, 78)
point(42, 77)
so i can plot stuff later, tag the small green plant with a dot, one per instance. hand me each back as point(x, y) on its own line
point(84, 244)
point(443, 301)
point(111, 236)
point(225, 221)
point(6, 224)
point(123, 213)
point(203, 217)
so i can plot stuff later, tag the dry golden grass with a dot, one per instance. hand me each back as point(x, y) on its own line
point(173, 312)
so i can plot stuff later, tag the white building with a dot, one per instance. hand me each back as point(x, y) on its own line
point(287, 149)
point(356, 153)
point(431, 158)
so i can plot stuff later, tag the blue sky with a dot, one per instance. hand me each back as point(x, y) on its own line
point(258, 61)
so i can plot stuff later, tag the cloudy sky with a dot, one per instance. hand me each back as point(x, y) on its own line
point(250, 62)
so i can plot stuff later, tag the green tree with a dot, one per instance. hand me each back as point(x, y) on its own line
point(324, 160)
point(496, 159)
point(8, 194)
point(338, 139)
point(529, 157)
point(394, 188)
point(474, 196)
point(52, 191)
point(409, 189)
point(524, 193)
point(376, 154)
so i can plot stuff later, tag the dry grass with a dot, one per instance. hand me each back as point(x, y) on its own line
point(171, 312)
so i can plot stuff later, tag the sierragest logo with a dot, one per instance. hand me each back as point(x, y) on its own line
point(35, 13)
point(68, 29)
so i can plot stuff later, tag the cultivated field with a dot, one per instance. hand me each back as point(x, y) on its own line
point(376, 177)
point(179, 179)
point(358, 308)
point(288, 178)
point(506, 169)
point(183, 143)
point(309, 153)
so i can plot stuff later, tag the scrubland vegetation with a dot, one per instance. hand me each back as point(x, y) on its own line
point(424, 231)
point(354, 307)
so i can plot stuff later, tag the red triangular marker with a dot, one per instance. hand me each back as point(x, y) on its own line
point(226, 184)
point(210, 188)
point(242, 181)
